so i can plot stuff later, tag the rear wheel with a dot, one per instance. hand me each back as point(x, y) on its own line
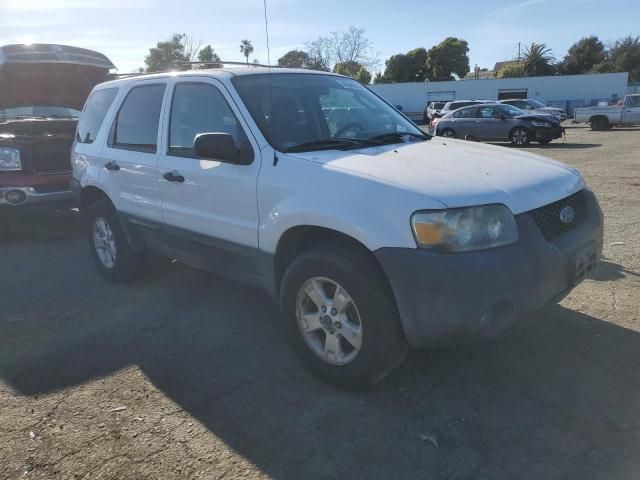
point(599, 124)
point(340, 316)
point(449, 133)
point(519, 137)
point(108, 243)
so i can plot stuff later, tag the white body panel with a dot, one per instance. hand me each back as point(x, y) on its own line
point(627, 114)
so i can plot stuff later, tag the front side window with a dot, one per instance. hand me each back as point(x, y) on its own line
point(136, 126)
point(201, 108)
point(487, 112)
point(93, 115)
point(321, 111)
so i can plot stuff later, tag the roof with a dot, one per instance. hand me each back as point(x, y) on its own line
point(43, 53)
point(500, 65)
point(217, 72)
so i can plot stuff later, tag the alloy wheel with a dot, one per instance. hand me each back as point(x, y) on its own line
point(329, 321)
point(104, 243)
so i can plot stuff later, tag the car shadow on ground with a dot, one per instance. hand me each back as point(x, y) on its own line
point(556, 398)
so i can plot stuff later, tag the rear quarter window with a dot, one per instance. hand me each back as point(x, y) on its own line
point(92, 116)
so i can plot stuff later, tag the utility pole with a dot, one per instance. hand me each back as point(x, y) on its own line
point(518, 52)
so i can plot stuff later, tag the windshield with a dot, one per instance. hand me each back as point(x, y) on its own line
point(536, 104)
point(321, 111)
point(36, 111)
point(511, 111)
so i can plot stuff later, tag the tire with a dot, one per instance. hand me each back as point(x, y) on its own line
point(372, 314)
point(519, 137)
point(448, 133)
point(544, 141)
point(599, 124)
point(102, 219)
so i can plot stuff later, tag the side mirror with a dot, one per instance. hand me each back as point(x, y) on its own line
point(217, 146)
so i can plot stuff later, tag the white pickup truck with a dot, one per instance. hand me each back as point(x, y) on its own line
point(605, 118)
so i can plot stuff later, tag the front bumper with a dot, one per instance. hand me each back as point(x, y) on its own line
point(452, 298)
point(19, 197)
point(548, 133)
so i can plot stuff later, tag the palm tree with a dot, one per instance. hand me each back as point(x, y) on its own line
point(538, 60)
point(246, 48)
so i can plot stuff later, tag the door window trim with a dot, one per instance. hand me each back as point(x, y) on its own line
point(111, 142)
point(168, 151)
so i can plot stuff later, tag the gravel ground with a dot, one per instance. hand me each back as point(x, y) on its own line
point(185, 375)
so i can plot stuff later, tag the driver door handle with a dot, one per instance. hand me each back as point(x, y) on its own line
point(112, 166)
point(173, 176)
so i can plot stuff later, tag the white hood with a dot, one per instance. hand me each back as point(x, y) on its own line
point(459, 173)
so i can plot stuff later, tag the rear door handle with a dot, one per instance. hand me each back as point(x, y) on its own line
point(173, 176)
point(113, 166)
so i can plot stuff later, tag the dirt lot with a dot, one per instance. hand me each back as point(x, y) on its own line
point(184, 375)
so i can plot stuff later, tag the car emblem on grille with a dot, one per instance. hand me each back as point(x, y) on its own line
point(567, 215)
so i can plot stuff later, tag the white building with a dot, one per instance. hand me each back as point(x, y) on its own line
point(563, 91)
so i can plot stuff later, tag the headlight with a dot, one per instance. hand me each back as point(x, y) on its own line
point(465, 229)
point(9, 159)
point(541, 124)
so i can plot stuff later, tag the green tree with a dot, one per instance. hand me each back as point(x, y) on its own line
point(167, 55)
point(348, 68)
point(295, 59)
point(208, 56)
point(511, 71)
point(380, 78)
point(447, 59)
point(583, 56)
point(538, 60)
point(363, 76)
point(409, 67)
point(624, 56)
point(246, 48)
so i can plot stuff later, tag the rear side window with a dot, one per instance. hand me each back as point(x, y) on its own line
point(93, 115)
point(136, 126)
point(464, 113)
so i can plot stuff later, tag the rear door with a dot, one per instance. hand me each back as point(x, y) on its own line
point(130, 170)
point(631, 110)
point(211, 217)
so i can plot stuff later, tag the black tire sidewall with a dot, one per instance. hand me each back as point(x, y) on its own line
point(451, 130)
point(375, 306)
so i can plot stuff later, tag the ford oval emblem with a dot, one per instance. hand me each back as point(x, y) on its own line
point(567, 215)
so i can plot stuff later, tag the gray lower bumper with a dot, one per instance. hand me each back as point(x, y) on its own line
point(451, 298)
point(29, 196)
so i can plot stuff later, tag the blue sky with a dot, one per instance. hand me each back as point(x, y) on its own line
point(125, 29)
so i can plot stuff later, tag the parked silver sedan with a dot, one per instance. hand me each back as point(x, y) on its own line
point(499, 122)
point(530, 105)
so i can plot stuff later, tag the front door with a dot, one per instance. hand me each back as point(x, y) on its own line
point(631, 110)
point(209, 207)
point(489, 124)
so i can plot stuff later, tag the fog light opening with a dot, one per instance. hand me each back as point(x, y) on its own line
point(16, 197)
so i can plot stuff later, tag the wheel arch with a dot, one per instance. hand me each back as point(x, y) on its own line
point(91, 194)
point(593, 118)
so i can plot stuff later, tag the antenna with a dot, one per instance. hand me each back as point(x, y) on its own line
point(271, 121)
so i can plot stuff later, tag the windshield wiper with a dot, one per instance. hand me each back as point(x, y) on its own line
point(395, 136)
point(339, 143)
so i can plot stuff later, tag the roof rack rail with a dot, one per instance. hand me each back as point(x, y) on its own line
point(213, 64)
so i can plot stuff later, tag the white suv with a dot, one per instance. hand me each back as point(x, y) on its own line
point(369, 234)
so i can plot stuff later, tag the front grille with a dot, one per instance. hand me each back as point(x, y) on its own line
point(548, 217)
point(51, 156)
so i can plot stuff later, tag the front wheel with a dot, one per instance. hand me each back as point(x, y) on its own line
point(340, 316)
point(519, 137)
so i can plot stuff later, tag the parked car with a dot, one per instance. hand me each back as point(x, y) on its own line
point(43, 88)
point(369, 235)
point(432, 110)
point(450, 107)
point(530, 105)
point(605, 118)
point(499, 122)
